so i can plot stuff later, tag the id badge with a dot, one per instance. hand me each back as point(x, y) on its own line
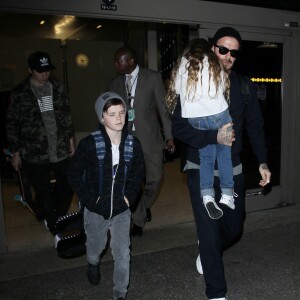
point(130, 114)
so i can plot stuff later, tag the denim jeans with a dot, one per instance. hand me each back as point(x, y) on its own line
point(209, 154)
point(96, 229)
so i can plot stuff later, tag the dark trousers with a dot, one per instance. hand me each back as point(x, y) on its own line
point(216, 235)
point(154, 175)
point(53, 199)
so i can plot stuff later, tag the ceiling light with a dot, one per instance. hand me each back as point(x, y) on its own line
point(64, 22)
point(267, 45)
point(99, 26)
point(42, 22)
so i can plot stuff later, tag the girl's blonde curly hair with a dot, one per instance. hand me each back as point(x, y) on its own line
point(197, 50)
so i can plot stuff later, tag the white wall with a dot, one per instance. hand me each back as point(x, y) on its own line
point(86, 84)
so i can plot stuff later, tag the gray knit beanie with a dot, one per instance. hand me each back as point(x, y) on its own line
point(101, 101)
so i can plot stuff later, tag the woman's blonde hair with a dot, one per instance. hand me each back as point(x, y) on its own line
point(195, 53)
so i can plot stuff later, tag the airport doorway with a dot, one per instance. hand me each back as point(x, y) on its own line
point(262, 62)
point(23, 225)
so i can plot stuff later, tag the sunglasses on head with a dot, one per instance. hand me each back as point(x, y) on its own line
point(223, 50)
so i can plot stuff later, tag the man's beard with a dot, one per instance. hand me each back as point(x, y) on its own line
point(228, 64)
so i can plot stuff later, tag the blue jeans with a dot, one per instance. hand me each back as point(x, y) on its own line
point(209, 154)
point(96, 228)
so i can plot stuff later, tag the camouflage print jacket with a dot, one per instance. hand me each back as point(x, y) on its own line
point(25, 128)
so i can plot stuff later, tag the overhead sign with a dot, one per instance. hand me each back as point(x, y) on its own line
point(108, 5)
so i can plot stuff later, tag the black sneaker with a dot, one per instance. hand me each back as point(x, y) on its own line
point(94, 274)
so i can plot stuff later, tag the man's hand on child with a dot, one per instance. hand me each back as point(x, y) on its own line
point(226, 135)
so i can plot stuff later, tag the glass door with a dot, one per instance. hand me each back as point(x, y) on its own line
point(262, 62)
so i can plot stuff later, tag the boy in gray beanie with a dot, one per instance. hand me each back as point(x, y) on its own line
point(106, 173)
point(102, 100)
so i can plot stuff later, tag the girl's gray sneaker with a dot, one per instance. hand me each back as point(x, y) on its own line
point(214, 211)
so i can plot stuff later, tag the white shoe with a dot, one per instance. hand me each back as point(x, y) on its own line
point(228, 201)
point(214, 211)
point(199, 265)
point(57, 238)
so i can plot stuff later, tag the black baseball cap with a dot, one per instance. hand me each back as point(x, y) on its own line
point(40, 62)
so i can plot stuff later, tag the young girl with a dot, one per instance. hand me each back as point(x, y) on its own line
point(107, 173)
point(203, 87)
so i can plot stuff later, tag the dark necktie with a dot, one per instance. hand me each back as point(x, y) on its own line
point(129, 88)
point(128, 84)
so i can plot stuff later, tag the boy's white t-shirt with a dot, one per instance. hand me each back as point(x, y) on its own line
point(204, 100)
point(115, 154)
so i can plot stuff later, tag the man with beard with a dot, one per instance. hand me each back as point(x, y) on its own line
point(215, 236)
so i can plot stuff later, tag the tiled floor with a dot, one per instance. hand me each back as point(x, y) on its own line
point(25, 233)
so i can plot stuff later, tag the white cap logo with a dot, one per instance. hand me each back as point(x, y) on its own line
point(44, 62)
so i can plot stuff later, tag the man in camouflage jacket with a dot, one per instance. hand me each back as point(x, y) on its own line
point(41, 137)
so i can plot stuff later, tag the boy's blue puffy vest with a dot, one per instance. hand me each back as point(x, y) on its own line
point(101, 150)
